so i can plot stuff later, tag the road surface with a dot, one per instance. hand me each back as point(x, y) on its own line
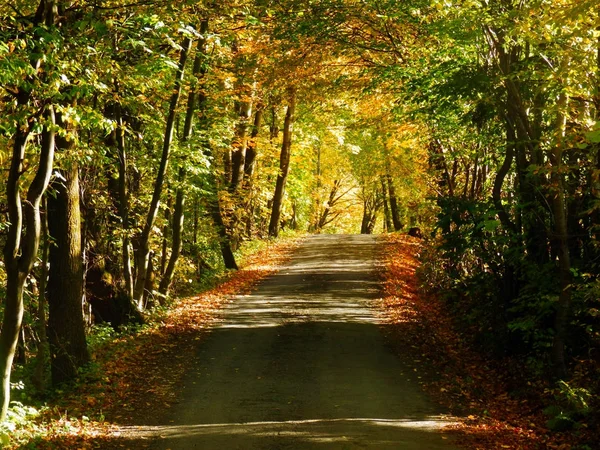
point(301, 363)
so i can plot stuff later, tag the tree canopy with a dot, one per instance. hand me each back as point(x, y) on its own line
point(143, 143)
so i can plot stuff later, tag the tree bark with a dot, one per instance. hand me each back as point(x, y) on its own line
point(240, 144)
point(386, 210)
point(66, 325)
point(23, 239)
point(224, 241)
point(165, 236)
point(249, 168)
point(499, 181)
point(124, 207)
point(177, 241)
point(364, 225)
point(284, 165)
point(143, 250)
point(331, 201)
point(561, 234)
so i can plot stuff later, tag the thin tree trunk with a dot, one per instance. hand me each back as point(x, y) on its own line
point(124, 207)
point(467, 180)
point(561, 233)
point(194, 98)
point(366, 217)
point(273, 127)
point(238, 155)
point(284, 165)
point(314, 224)
point(42, 356)
point(143, 250)
point(178, 217)
point(499, 181)
point(249, 168)
point(392, 194)
point(330, 203)
point(386, 210)
point(251, 153)
point(224, 241)
point(165, 237)
point(474, 178)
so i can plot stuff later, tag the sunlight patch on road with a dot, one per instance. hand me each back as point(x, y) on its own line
point(262, 312)
point(311, 429)
point(333, 282)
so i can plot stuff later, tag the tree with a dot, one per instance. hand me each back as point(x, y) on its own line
point(143, 250)
point(199, 71)
point(284, 163)
point(22, 242)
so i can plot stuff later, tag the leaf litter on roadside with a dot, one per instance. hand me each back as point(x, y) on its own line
point(474, 388)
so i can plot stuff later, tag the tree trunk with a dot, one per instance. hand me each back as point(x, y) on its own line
point(124, 208)
point(20, 251)
point(143, 250)
point(22, 239)
point(250, 162)
point(499, 181)
point(392, 195)
point(386, 210)
point(224, 241)
point(394, 205)
point(165, 236)
point(177, 228)
point(331, 201)
point(284, 165)
point(66, 326)
point(240, 144)
point(366, 218)
point(561, 234)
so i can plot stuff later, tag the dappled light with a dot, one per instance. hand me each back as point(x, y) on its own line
point(317, 433)
point(315, 289)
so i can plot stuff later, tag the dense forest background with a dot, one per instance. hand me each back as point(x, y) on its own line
point(144, 143)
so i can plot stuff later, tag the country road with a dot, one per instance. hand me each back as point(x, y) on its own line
point(301, 363)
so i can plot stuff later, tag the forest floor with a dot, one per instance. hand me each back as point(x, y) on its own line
point(153, 389)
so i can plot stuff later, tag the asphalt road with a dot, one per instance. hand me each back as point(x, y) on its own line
point(301, 363)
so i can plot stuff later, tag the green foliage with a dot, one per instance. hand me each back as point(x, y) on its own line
point(99, 335)
point(476, 267)
point(18, 416)
point(572, 405)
